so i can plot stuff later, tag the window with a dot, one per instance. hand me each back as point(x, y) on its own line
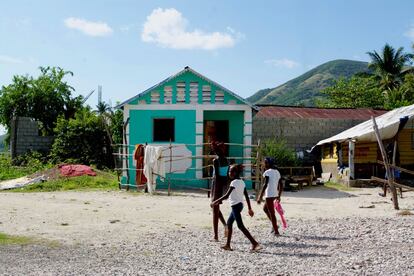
point(219, 97)
point(206, 90)
point(193, 92)
point(164, 130)
point(180, 92)
point(168, 94)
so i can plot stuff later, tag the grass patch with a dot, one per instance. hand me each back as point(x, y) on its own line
point(9, 239)
point(10, 171)
point(405, 212)
point(338, 187)
point(23, 240)
point(102, 181)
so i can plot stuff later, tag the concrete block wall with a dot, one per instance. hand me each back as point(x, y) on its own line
point(25, 137)
point(299, 133)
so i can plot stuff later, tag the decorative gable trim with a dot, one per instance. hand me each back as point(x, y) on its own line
point(220, 92)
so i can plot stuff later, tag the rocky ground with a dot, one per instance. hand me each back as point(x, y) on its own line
point(124, 233)
point(318, 246)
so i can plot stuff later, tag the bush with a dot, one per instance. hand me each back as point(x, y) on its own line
point(24, 165)
point(283, 155)
point(83, 140)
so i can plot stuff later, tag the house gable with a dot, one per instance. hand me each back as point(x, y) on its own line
point(187, 87)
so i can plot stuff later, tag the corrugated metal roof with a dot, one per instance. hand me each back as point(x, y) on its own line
point(321, 113)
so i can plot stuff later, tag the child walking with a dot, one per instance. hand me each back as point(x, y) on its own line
point(235, 194)
point(272, 189)
point(220, 183)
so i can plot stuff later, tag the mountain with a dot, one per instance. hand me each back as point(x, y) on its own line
point(305, 89)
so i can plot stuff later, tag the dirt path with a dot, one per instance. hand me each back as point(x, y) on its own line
point(113, 217)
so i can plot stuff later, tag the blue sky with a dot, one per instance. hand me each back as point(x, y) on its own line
point(127, 46)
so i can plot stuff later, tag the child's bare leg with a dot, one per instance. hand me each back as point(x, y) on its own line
point(271, 212)
point(266, 211)
point(240, 225)
point(216, 210)
point(229, 233)
point(221, 218)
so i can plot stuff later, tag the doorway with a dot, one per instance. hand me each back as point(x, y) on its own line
point(214, 130)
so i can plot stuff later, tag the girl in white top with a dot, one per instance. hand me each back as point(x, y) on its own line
point(272, 189)
point(235, 194)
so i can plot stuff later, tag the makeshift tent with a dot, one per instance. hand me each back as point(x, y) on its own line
point(388, 125)
point(354, 153)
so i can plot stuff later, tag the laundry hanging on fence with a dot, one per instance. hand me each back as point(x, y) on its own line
point(138, 155)
point(154, 166)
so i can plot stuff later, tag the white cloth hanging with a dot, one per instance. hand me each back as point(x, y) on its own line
point(154, 166)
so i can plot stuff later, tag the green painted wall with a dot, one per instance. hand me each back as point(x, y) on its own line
point(141, 132)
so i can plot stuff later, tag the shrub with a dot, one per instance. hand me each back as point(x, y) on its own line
point(283, 155)
point(22, 166)
point(83, 140)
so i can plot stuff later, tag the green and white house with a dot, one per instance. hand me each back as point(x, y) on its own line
point(188, 110)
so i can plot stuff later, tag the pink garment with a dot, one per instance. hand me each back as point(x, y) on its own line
point(76, 170)
point(280, 211)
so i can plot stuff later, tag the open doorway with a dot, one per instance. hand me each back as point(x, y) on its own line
point(214, 130)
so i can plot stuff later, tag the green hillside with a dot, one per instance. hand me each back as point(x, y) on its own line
point(305, 89)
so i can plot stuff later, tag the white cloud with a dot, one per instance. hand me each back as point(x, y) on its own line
point(9, 59)
point(88, 27)
point(410, 33)
point(168, 28)
point(284, 62)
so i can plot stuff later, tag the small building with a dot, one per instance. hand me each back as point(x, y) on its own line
point(188, 111)
point(303, 127)
point(394, 126)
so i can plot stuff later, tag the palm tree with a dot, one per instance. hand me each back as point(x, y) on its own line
point(389, 66)
point(105, 113)
point(103, 108)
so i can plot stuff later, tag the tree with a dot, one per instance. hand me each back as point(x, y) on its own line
point(389, 66)
point(402, 95)
point(117, 126)
point(44, 98)
point(82, 139)
point(113, 121)
point(357, 92)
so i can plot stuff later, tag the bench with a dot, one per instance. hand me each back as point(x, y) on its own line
point(298, 175)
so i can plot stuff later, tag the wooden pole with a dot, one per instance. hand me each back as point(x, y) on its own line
point(126, 150)
point(390, 175)
point(169, 175)
point(258, 176)
point(394, 157)
point(351, 163)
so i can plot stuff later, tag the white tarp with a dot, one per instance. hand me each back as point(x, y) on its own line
point(388, 124)
point(20, 182)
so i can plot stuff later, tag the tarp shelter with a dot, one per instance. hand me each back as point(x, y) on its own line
point(354, 152)
point(388, 124)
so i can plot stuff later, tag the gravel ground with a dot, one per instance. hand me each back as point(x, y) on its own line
point(341, 246)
